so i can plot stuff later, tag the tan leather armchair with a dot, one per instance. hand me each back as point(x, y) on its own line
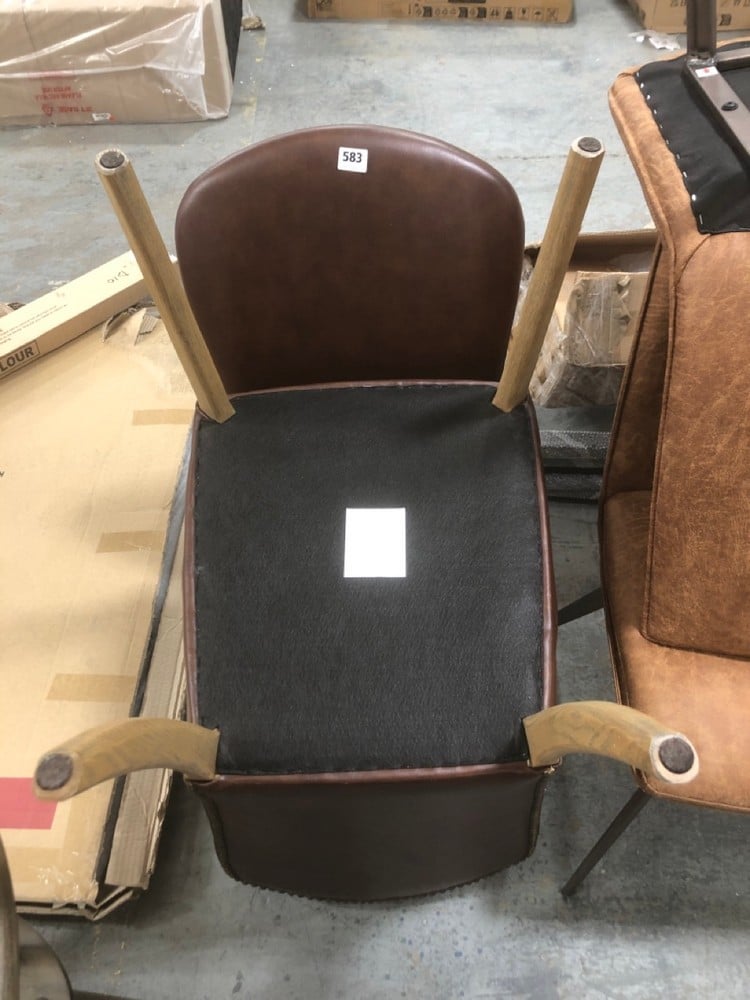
point(675, 511)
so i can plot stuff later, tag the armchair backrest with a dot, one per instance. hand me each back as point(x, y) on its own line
point(351, 253)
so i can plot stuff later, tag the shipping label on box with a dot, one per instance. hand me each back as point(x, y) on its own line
point(671, 15)
point(57, 317)
point(549, 12)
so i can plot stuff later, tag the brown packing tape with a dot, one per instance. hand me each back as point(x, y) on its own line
point(130, 541)
point(148, 418)
point(92, 687)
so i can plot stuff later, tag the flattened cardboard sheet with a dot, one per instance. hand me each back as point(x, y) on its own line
point(93, 438)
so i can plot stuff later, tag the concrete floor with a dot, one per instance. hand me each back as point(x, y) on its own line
point(666, 914)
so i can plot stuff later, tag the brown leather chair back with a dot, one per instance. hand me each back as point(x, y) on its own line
point(300, 272)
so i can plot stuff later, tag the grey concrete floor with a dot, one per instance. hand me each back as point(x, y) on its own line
point(515, 96)
point(667, 913)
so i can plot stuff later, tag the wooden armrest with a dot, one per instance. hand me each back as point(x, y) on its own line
point(108, 751)
point(610, 730)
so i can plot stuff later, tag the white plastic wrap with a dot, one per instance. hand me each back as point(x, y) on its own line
point(74, 62)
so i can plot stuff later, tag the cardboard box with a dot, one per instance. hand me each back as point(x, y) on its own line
point(483, 11)
point(72, 62)
point(588, 341)
point(52, 320)
point(670, 15)
point(94, 436)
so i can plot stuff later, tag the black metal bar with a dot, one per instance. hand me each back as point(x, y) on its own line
point(728, 59)
point(704, 68)
point(701, 29)
point(592, 601)
point(722, 101)
point(619, 824)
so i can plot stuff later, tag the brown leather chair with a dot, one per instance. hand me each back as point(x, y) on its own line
point(675, 512)
point(378, 730)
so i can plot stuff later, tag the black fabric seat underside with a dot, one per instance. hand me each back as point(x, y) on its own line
point(304, 670)
point(715, 175)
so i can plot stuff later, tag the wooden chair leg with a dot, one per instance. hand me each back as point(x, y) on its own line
point(129, 202)
point(585, 605)
point(619, 824)
point(577, 182)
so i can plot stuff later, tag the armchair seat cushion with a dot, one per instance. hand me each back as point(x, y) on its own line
point(305, 670)
point(707, 697)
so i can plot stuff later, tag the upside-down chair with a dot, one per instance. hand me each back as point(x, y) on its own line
point(368, 590)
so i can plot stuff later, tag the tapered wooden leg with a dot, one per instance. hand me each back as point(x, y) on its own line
point(163, 281)
point(576, 185)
